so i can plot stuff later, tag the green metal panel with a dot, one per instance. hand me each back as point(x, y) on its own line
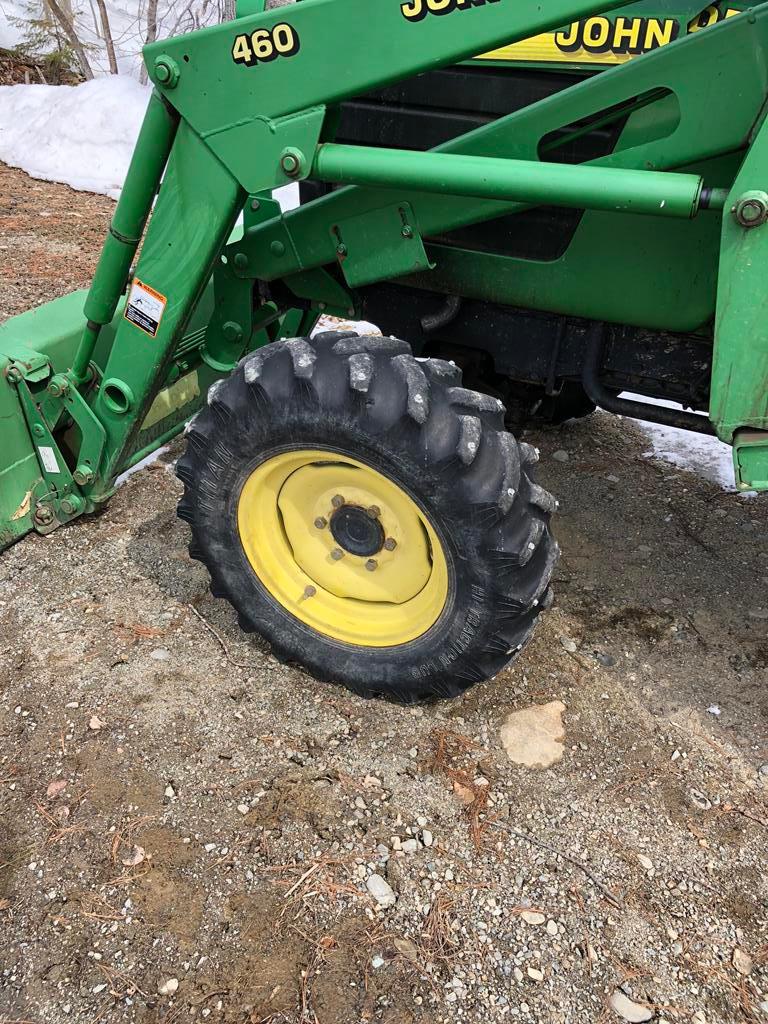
point(19, 468)
point(382, 241)
point(750, 459)
point(740, 371)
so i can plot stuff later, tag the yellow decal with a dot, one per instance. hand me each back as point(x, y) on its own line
point(417, 10)
point(265, 44)
point(179, 394)
point(601, 40)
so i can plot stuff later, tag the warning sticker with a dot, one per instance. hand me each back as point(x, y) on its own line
point(145, 307)
point(48, 459)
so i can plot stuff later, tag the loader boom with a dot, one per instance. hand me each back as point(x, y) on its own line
point(240, 115)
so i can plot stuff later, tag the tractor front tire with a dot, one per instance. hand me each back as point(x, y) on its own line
point(368, 516)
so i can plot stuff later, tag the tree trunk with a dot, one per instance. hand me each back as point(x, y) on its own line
point(228, 13)
point(107, 37)
point(151, 34)
point(69, 31)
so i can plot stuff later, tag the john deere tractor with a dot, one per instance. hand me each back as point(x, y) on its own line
point(552, 205)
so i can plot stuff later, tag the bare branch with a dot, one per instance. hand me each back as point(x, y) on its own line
point(151, 34)
point(107, 37)
point(69, 32)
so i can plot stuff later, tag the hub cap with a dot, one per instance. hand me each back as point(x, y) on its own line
point(357, 531)
point(342, 548)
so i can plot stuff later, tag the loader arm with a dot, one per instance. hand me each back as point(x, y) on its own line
point(245, 93)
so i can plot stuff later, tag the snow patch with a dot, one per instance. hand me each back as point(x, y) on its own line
point(698, 453)
point(81, 135)
point(146, 461)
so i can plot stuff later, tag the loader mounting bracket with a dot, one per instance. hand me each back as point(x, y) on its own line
point(379, 243)
point(281, 143)
point(57, 498)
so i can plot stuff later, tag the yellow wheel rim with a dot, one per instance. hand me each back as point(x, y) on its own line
point(309, 522)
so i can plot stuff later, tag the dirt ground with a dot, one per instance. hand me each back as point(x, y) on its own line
point(188, 828)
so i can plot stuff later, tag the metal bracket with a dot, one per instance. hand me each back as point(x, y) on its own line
point(92, 432)
point(285, 145)
point(380, 244)
point(750, 459)
point(61, 500)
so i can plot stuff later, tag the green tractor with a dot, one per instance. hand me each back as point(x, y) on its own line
point(577, 212)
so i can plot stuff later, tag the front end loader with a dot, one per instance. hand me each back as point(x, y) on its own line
point(576, 212)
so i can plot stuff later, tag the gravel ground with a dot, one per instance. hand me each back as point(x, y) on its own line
point(189, 829)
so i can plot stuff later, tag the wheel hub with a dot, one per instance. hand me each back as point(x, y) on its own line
point(357, 531)
point(343, 548)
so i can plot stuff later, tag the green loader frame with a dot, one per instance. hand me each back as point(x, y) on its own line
point(245, 107)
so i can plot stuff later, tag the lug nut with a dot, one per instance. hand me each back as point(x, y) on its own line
point(390, 544)
point(337, 501)
point(310, 592)
point(374, 511)
point(336, 554)
point(371, 565)
point(321, 523)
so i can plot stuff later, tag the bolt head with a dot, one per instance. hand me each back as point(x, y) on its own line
point(58, 387)
point(290, 162)
point(374, 511)
point(751, 209)
point(321, 523)
point(337, 554)
point(371, 565)
point(166, 71)
point(43, 514)
point(390, 544)
point(337, 501)
point(232, 331)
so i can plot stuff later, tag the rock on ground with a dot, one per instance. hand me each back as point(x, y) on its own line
point(534, 736)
